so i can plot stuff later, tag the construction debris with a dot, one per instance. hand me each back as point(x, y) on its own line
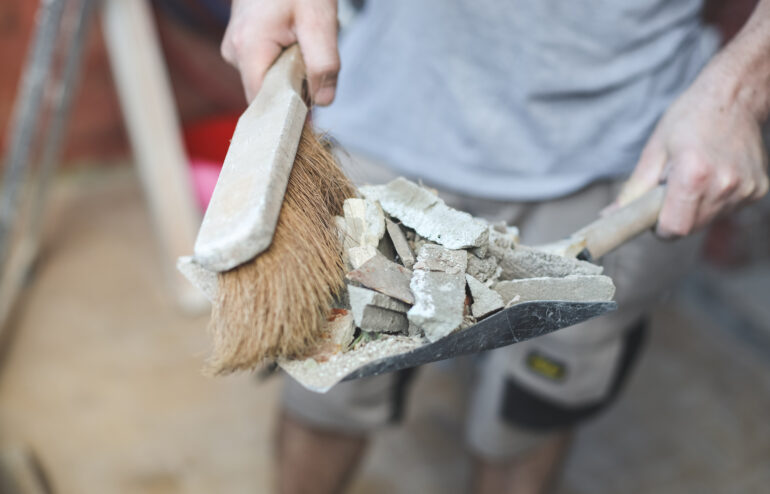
point(485, 300)
point(400, 243)
point(576, 288)
point(429, 216)
point(465, 270)
point(365, 221)
point(377, 312)
point(341, 328)
point(526, 262)
point(359, 254)
point(434, 257)
point(384, 276)
point(439, 302)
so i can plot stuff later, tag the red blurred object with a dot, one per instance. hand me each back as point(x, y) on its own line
point(206, 142)
point(208, 139)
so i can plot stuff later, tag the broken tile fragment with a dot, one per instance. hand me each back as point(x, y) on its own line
point(365, 220)
point(400, 244)
point(376, 312)
point(574, 288)
point(439, 302)
point(485, 300)
point(384, 276)
point(385, 247)
point(360, 297)
point(432, 257)
point(360, 254)
point(428, 215)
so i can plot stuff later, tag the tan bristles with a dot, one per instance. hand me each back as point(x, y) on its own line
point(274, 305)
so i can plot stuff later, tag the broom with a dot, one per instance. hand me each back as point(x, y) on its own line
point(269, 230)
point(274, 306)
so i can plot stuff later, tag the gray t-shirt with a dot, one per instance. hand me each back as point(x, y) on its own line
point(513, 99)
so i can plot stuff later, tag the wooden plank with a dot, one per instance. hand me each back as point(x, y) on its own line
point(153, 127)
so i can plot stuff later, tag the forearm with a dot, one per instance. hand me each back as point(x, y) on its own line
point(741, 71)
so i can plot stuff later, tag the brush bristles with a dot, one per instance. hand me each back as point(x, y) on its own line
point(274, 305)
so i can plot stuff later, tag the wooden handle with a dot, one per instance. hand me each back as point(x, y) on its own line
point(615, 229)
point(288, 70)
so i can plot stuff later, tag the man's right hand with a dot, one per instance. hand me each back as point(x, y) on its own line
point(259, 29)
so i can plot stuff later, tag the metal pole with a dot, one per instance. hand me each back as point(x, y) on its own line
point(26, 118)
point(64, 91)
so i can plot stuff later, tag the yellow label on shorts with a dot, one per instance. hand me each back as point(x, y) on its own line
point(546, 366)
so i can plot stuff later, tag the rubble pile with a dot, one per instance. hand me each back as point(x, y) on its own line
point(421, 270)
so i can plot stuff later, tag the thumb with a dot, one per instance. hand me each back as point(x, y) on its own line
point(647, 174)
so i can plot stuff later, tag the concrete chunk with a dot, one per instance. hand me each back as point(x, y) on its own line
point(361, 297)
point(575, 288)
point(526, 262)
point(384, 276)
point(485, 300)
point(439, 302)
point(376, 312)
point(377, 320)
point(437, 258)
point(400, 244)
point(428, 215)
point(483, 269)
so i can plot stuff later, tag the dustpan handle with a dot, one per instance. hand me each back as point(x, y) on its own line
point(610, 232)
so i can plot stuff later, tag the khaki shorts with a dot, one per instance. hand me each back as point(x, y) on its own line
point(524, 392)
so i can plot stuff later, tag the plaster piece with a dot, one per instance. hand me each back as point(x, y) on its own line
point(437, 258)
point(384, 276)
point(439, 302)
point(428, 215)
point(574, 288)
point(359, 255)
point(485, 300)
point(201, 278)
point(400, 244)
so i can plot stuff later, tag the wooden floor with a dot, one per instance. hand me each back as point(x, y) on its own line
point(102, 380)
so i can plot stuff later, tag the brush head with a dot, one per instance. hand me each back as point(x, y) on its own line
point(274, 305)
point(241, 217)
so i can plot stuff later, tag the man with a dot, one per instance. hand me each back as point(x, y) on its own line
point(529, 111)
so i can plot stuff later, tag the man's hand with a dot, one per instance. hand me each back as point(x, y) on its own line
point(711, 153)
point(708, 145)
point(259, 29)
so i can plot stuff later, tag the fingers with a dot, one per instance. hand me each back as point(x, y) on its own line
point(687, 183)
point(316, 29)
point(254, 67)
point(647, 174)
